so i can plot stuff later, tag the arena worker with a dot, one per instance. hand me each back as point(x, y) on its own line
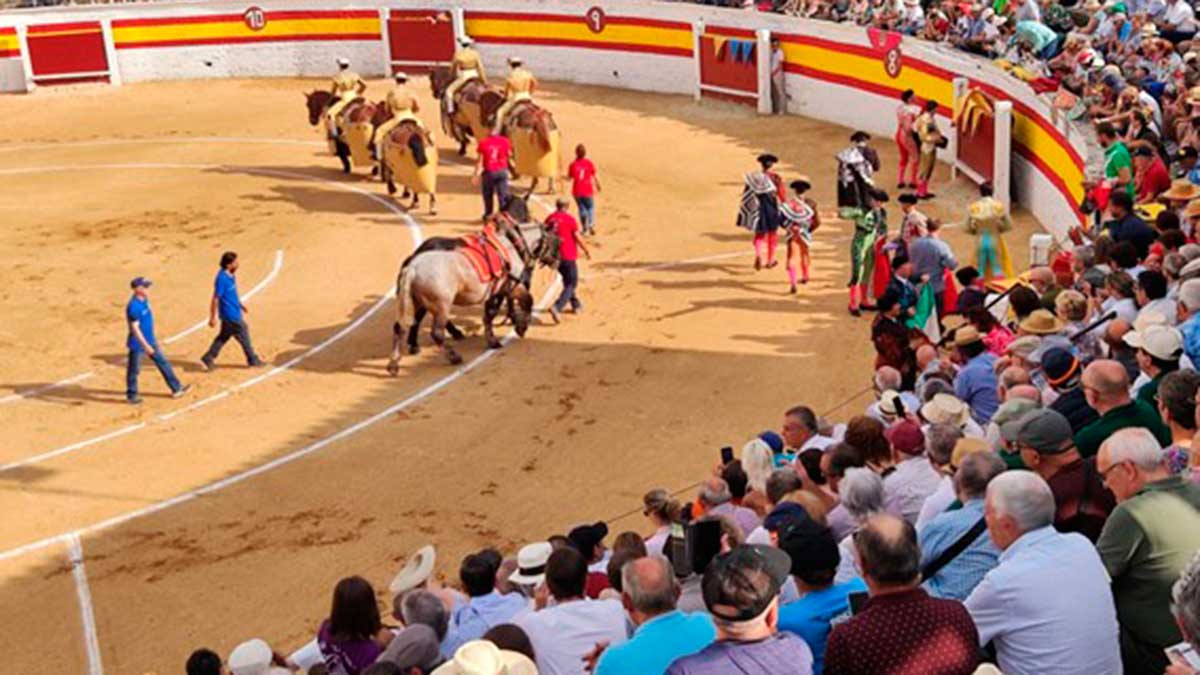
point(570, 244)
point(491, 171)
point(519, 87)
point(142, 342)
point(585, 183)
point(347, 85)
point(464, 66)
point(227, 306)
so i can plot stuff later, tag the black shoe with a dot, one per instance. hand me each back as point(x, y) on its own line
point(182, 391)
point(257, 363)
point(855, 312)
point(136, 400)
point(207, 364)
point(927, 195)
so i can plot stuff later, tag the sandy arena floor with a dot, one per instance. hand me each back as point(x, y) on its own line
point(683, 348)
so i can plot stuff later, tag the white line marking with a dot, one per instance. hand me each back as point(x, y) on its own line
point(414, 231)
point(159, 141)
point(86, 614)
point(33, 393)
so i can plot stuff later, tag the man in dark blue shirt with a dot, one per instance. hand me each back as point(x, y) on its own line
point(1126, 226)
point(141, 341)
point(227, 306)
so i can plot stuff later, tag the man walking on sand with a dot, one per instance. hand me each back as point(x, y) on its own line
point(570, 243)
point(491, 170)
point(227, 305)
point(141, 341)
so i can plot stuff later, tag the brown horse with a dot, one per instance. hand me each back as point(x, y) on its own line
point(535, 139)
point(359, 113)
point(475, 106)
point(409, 157)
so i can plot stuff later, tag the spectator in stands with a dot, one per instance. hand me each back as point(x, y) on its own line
point(1072, 307)
point(425, 608)
point(1148, 540)
point(1151, 175)
point(741, 592)
point(254, 657)
point(781, 483)
point(912, 477)
point(1044, 578)
point(716, 500)
point(1010, 377)
point(510, 637)
point(563, 634)
point(815, 559)
point(1185, 605)
point(1119, 292)
point(353, 636)
point(627, 548)
point(834, 464)
point(663, 634)
point(1042, 280)
point(1177, 406)
point(486, 607)
point(955, 549)
point(530, 570)
point(1023, 301)
point(892, 633)
point(946, 409)
point(1106, 385)
point(1178, 22)
point(976, 383)
point(973, 293)
point(414, 649)
point(661, 510)
point(1158, 351)
point(1151, 296)
point(1118, 165)
point(801, 430)
point(589, 541)
point(861, 492)
point(1082, 503)
point(1189, 318)
point(203, 662)
point(1114, 332)
point(940, 440)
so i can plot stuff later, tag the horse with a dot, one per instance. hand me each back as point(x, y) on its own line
point(439, 274)
point(355, 128)
point(409, 158)
point(474, 104)
point(535, 140)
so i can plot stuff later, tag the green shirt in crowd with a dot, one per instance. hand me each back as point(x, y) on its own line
point(1133, 414)
point(1148, 394)
point(1146, 543)
point(1116, 157)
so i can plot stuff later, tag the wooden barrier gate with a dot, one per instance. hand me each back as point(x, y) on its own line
point(419, 40)
point(68, 53)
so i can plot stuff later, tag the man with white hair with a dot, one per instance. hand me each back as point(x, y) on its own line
point(888, 379)
point(1044, 579)
point(717, 500)
point(1188, 313)
point(1147, 541)
point(940, 440)
point(955, 551)
point(1185, 605)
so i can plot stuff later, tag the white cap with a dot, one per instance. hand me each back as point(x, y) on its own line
point(515, 60)
point(531, 564)
point(252, 657)
point(343, 62)
point(465, 40)
point(1189, 294)
point(401, 76)
point(1161, 342)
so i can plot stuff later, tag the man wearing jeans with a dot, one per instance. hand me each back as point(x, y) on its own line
point(567, 229)
point(229, 308)
point(584, 185)
point(492, 167)
point(142, 341)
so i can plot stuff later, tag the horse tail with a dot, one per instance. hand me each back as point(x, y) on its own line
point(417, 145)
point(542, 130)
point(405, 305)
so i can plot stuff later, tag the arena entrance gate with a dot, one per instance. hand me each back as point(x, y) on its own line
point(982, 147)
point(418, 40)
point(733, 64)
point(69, 53)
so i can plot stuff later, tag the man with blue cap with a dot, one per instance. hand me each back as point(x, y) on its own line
point(141, 341)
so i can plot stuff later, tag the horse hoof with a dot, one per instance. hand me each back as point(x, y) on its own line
point(495, 344)
point(393, 369)
point(433, 212)
point(455, 358)
point(414, 350)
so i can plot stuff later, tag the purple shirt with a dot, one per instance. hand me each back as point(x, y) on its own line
point(780, 653)
point(745, 518)
point(346, 657)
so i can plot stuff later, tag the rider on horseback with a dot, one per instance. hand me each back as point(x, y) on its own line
point(519, 87)
point(403, 106)
point(347, 86)
point(466, 66)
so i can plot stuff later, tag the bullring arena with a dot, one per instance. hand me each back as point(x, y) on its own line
point(134, 535)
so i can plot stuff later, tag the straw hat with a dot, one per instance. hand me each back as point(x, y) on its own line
point(1041, 322)
point(946, 409)
point(531, 564)
point(1192, 210)
point(1182, 190)
point(480, 657)
point(415, 572)
point(966, 335)
point(967, 446)
point(253, 657)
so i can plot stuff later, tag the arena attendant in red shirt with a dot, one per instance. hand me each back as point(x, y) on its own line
point(567, 228)
point(584, 186)
point(1151, 176)
point(492, 166)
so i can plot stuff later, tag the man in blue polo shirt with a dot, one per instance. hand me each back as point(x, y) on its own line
point(141, 341)
point(227, 305)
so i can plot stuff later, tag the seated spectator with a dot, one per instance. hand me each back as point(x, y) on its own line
point(1151, 297)
point(946, 409)
point(973, 293)
point(741, 592)
point(417, 574)
point(1177, 406)
point(1158, 351)
point(1082, 502)
point(781, 483)
point(1106, 386)
point(1188, 313)
point(424, 608)
point(531, 568)
point(1118, 287)
point(485, 607)
point(413, 649)
point(1043, 281)
point(996, 336)
point(867, 435)
point(834, 464)
point(1072, 307)
point(663, 633)
point(661, 510)
point(1114, 334)
point(1023, 301)
point(485, 658)
point(1152, 177)
point(716, 500)
point(353, 636)
point(1009, 378)
point(912, 477)
point(955, 549)
point(940, 440)
point(510, 638)
point(563, 634)
point(861, 492)
point(1185, 605)
point(757, 463)
point(975, 383)
point(901, 629)
point(1147, 542)
point(253, 657)
point(203, 662)
point(1064, 373)
point(887, 380)
point(890, 338)
point(1125, 225)
point(1044, 578)
point(815, 559)
point(1007, 412)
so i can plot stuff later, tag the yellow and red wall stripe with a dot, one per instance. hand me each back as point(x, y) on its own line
point(626, 34)
point(221, 29)
point(10, 46)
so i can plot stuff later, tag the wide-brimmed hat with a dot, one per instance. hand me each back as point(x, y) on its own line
point(1042, 322)
point(1161, 342)
point(946, 409)
point(1181, 190)
point(1192, 210)
point(416, 571)
point(966, 335)
point(1023, 346)
point(401, 76)
point(1149, 30)
point(253, 657)
point(1059, 365)
point(481, 657)
point(891, 404)
point(531, 564)
point(767, 158)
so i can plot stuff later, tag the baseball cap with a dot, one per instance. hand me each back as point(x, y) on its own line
point(585, 538)
point(810, 545)
point(773, 440)
point(740, 585)
point(1161, 342)
point(141, 282)
point(1143, 151)
point(905, 436)
point(783, 514)
point(1059, 365)
point(1044, 430)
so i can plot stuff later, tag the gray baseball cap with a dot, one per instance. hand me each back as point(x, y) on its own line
point(1044, 430)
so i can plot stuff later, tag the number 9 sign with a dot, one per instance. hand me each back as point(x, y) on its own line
point(595, 19)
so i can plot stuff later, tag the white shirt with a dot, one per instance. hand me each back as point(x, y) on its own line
point(906, 489)
point(1049, 608)
point(818, 442)
point(1164, 307)
point(911, 404)
point(656, 542)
point(936, 503)
point(1180, 16)
point(601, 565)
point(562, 635)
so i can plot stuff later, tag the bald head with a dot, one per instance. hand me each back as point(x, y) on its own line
point(649, 586)
point(926, 354)
point(1117, 328)
point(887, 378)
point(1041, 278)
point(888, 552)
point(1025, 391)
point(1010, 377)
point(1106, 385)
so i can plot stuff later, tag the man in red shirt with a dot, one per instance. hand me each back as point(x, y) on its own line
point(492, 166)
point(584, 186)
point(1151, 175)
point(567, 228)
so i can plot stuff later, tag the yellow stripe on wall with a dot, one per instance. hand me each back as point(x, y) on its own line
point(674, 38)
point(236, 29)
point(9, 43)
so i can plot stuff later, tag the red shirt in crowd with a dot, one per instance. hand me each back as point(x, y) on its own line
point(1153, 181)
point(565, 226)
point(495, 151)
point(582, 171)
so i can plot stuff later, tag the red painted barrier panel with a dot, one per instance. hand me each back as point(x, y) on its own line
point(977, 143)
point(64, 53)
point(419, 39)
point(729, 60)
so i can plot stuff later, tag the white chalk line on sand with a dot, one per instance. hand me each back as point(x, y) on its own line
point(87, 614)
point(75, 379)
point(414, 230)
